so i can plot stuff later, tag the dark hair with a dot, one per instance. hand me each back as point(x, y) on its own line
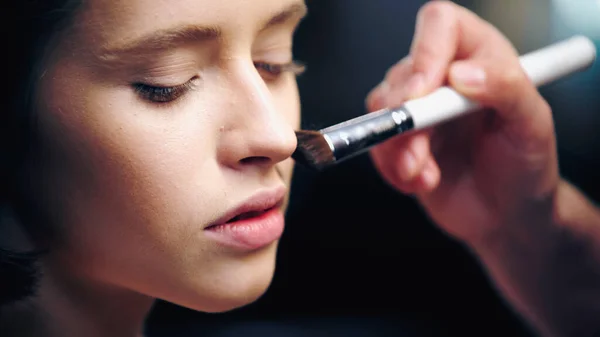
point(29, 27)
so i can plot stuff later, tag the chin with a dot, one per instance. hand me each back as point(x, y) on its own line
point(233, 284)
point(229, 302)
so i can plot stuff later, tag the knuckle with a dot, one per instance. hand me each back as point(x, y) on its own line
point(426, 52)
point(511, 78)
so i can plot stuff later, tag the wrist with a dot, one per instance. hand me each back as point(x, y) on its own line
point(535, 221)
point(546, 265)
point(542, 222)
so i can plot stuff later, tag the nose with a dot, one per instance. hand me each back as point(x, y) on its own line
point(259, 131)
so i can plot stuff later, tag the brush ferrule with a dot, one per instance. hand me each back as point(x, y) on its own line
point(356, 136)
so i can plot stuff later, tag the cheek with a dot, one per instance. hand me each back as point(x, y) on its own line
point(128, 180)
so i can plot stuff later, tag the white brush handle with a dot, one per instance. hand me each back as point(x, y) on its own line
point(542, 66)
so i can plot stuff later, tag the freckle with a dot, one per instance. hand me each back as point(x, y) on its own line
point(222, 128)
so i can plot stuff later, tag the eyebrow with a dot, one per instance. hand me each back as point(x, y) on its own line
point(169, 38)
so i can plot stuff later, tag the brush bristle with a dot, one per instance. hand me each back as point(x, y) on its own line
point(313, 150)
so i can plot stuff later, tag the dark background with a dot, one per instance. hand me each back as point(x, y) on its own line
point(358, 259)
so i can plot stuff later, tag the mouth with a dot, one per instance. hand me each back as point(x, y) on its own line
point(248, 215)
point(245, 216)
point(256, 223)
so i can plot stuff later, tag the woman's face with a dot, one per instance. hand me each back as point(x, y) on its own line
point(158, 120)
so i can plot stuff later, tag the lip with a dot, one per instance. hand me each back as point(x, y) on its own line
point(263, 225)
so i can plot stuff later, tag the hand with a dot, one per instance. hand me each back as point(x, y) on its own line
point(490, 172)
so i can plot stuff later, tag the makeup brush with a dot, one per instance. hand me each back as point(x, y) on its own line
point(332, 145)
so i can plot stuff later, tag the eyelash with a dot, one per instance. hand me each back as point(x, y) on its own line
point(164, 95)
point(275, 70)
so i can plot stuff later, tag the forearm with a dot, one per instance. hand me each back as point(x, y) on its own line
point(550, 272)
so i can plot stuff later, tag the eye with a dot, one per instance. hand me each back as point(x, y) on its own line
point(163, 94)
point(272, 71)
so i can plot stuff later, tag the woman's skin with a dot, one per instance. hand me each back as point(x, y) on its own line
point(133, 183)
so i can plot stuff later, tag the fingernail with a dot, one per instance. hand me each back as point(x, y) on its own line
point(468, 75)
point(429, 176)
point(379, 95)
point(409, 166)
point(383, 88)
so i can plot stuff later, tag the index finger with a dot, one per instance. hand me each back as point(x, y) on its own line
point(441, 37)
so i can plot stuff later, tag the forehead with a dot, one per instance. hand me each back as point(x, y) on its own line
point(115, 21)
